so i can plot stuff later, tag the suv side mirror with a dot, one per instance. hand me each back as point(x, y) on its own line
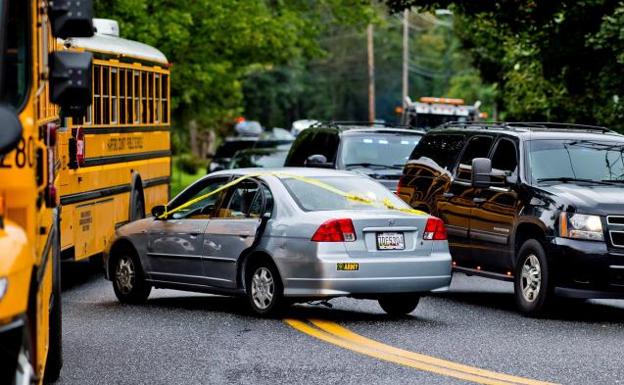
point(157, 211)
point(481, 172)
point(70, 81)
point(317, 160)
point(71, 18)
point(11, 131)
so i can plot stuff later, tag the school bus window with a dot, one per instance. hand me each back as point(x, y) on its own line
point(165, 100)
point(137, 97)
point(97, 89)
point(114, 101)
point(158, 97)
point(105, 95)
point(144, 93)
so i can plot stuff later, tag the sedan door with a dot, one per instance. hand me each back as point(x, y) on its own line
point(233, 230)
point(175, 244)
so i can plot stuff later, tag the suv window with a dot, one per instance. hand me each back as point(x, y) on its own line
point(477, 147)
point(311, 142)
point(505, 158)
point(442, 149)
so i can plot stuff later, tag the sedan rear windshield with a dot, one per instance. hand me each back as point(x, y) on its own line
point(314, 197)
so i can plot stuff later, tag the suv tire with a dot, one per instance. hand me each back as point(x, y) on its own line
point(532, 286)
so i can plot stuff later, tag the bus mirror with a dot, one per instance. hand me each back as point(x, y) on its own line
point(70, 81)
point(71, 18)
point(11, 131)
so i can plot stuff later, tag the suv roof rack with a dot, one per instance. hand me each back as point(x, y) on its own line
point(344, 124)
point(527, 126)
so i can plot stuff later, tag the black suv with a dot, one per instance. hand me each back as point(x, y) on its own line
point(539, 204)
point(379, 152)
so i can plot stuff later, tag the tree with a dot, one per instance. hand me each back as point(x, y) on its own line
point(552, 60)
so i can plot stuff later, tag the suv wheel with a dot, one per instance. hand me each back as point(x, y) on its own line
point(399, 305)
point(128, 279)
point(532, 286)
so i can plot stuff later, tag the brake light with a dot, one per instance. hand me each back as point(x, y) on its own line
point(51, 195)
point(51, 134)
point(80, 147)
point(335, 230)
point(434, 230)
point(401, 182)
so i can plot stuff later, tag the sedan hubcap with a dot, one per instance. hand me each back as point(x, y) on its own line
point(124, 274)
point(262, 288)
point(531, 280)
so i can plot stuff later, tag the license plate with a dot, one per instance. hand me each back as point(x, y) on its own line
point(350, 266)
point(390, 241)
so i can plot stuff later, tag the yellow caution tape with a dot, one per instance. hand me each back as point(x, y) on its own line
point(353, 197)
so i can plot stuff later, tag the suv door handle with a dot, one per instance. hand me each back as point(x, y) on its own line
point(448, 195)
point(479, 200)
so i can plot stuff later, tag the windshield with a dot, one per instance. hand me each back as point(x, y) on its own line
point(312, 197)
point(576, 159)
point(15, 75)
point(265, 160)
point(383, 151)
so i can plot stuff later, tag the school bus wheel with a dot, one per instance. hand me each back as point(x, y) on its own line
point(128, 277)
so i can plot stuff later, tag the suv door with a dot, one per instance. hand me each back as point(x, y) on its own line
point(493, 219)
point(455, 205)
point(233, 230)
point(175, 244)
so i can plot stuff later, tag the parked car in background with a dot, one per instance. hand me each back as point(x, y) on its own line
point(285, 237)
point(539, 204)
point(259, 157)
point(379, 152)
point(277, 137)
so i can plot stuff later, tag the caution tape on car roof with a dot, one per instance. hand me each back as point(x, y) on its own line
point(352, 197)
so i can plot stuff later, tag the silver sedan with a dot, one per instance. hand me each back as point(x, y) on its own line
point(282, 236)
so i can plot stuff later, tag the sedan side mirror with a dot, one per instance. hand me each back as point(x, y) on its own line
point(71, 18)
point(159, 210)
point(481, 172)
point(70, 81)
point(317, 160)
point(11, 131)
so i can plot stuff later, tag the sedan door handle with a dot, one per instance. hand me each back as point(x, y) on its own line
point(194, 233)
point(479, 200)
point(448, 195)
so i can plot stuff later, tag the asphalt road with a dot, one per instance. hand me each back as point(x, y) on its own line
point(186, 338)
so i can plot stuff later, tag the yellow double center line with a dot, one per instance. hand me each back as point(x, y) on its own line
point(335, 334)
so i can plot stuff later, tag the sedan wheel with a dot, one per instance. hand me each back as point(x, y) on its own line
point(264, 288)
point(128, 279)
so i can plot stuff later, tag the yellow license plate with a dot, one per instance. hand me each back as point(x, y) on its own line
point(348, 266)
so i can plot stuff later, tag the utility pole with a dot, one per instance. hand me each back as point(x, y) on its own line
point(371, 74)
point(405, 55)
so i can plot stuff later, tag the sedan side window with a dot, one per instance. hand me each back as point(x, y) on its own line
point(245, 200)
point(202, 208)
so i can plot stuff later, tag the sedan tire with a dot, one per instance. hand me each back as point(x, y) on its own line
point(399, 305)
point(264, 287)
point(128, 278)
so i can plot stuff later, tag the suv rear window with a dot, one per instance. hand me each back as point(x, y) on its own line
point(311, 197)
point(442, 149)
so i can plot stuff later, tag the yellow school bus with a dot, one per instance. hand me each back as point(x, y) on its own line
point(35, 80)
point(116, 159)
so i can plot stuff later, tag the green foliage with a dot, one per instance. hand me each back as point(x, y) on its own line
point(189, 163)
point(552, 60)
point(213, 44)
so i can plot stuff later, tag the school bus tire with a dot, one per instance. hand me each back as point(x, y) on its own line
point(54, 362)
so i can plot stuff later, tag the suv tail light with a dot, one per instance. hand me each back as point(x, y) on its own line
point(335, 230)
point(434, 230)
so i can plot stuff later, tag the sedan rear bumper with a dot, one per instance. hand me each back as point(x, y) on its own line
point(373, 276)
